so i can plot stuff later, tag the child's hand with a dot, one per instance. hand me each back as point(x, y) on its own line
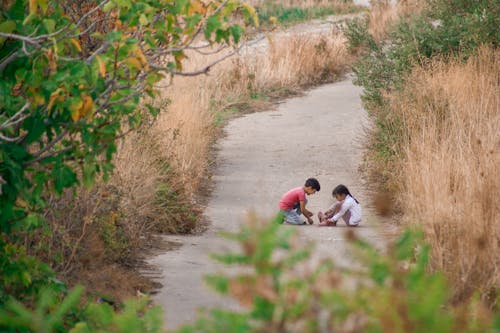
point(310, 220)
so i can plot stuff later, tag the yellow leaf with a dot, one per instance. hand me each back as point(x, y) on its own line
point(21, 203)
point(251, 11)
point(75, 110)
point(37, 98)
point(197, 7)
point(133, 62)
point(33, 6)
point(52, 60)
point(76, 44)
point(102, 66)
point(178, 60)
point(88, 105)
point(142, 58)
point(53, 97)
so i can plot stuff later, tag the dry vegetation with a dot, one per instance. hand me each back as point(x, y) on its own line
point(383, 14)
point(160, 169)
point(283, 65)
point(303, 3)
point(450, 114)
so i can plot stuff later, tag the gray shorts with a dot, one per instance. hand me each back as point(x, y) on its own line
point(292, 216)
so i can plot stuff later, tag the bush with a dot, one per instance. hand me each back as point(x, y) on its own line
point(443, 28)
point(281, 292)
point(53, 314)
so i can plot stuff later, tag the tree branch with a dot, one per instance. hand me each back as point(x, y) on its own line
point(12, 120)
point(7, 60)
point(204, 70)
point(25, 39)
point(38, 155)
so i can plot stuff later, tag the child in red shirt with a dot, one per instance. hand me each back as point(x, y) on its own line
point(293, 203)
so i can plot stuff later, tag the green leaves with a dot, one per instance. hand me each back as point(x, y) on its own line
point(68, 93)
point(7, 27)
point(72, 80)
point(53, 313)
point(391, 292)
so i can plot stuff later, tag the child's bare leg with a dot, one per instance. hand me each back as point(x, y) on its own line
point(347, 218)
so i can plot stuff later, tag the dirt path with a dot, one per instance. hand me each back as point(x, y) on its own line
point(263, 155)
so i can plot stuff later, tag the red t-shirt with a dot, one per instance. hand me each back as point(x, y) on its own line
point(292, 197)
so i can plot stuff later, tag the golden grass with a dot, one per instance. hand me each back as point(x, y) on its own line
point(450, 114)
point(303, 3)
point(159, 168)
point(288, 63)
point(383, 14)
point(181, 138)
point(186, 130)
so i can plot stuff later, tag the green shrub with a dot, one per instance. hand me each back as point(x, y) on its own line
point(357, 35)
point(281, 292)
point(53, 313)
point(446, 28)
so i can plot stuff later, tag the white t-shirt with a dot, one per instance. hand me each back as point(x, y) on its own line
point(349, 204)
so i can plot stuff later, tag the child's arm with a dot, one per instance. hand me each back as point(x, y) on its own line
point(343, 209)
point(306, 212)
point(331, 210)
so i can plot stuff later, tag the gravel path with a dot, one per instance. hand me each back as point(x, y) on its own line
point(262, 156)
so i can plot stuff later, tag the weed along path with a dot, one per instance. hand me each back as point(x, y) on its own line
point(262, 156)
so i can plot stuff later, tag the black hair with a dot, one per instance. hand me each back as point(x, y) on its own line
point(313, 182)
point(342, 189)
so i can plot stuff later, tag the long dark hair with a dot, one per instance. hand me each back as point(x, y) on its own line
point(342, 189)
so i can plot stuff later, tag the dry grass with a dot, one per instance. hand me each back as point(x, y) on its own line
point(159, 169)
point(181, 139)
point(186, 131)
point(450, 114)
point(384, 14)
point(303, 3)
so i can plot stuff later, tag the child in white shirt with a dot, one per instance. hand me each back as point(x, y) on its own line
point(346, 207)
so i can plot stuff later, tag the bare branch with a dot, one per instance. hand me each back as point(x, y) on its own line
point(29, 40)
point(84, 17)
point(17, 117)
point(204, 70)
point(8, 139)
point(100, 50)
point(198, 50)
point(52, 154)
point(38, 155)
point(7, 60)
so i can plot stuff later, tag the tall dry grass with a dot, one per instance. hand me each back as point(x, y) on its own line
point(450, 118)
point(160, 168)
point(384, 13)
point(175, 151)
point(277, 66)
point(286, 63)
point(303, 3)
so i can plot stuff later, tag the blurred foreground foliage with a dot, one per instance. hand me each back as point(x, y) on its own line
point(281, 290)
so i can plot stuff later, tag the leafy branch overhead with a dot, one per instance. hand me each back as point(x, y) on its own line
point(72, 77)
